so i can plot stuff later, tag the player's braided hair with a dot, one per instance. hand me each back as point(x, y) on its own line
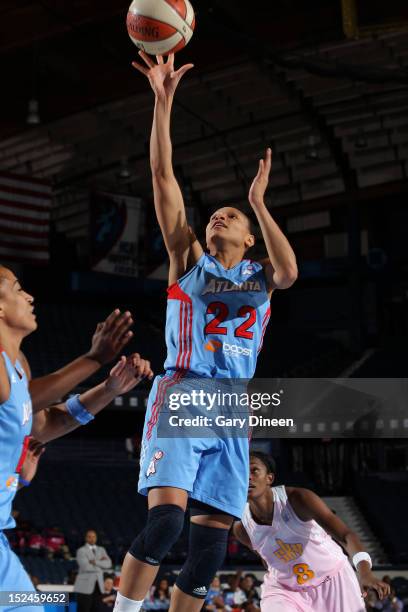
point(268, 461)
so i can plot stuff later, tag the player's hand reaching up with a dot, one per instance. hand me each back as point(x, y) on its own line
point(260, 182)
point(162, 76)
point(111, 336)
point(127, 373)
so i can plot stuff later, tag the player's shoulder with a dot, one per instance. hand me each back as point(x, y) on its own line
point(299, 497)
point(4, 380)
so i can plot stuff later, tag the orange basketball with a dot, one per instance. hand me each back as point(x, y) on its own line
point(160, 27)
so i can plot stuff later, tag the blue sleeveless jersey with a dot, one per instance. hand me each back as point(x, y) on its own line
point(216, 319)
point(15, 427)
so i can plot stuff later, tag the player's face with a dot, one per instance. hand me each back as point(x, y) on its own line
point(228, 226)
point(260, 480)
point(16, 305)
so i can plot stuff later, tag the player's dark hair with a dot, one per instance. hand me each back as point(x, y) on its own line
point(267, 460)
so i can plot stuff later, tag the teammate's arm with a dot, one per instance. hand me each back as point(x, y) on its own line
point(309, 506)
point(281, 268)
point(168, 199)
point(57, 421)
point(109, 339)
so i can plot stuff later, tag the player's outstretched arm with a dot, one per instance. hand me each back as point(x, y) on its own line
point(168, 199)
point(63, 418)
point(242, 536)
point(108, 341)
point(281, 268)
point(309, 506)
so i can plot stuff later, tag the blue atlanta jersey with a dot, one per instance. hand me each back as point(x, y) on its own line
point(216, 319)
point(15, 427)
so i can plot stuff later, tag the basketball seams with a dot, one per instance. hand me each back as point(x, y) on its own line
point(185, 7)
point(186, 35)
point(189, 18)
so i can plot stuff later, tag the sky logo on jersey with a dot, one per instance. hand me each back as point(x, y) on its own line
point(12, 482)
point(27, 410)
point(225, 286)
point(152, 465)
point(288, 552)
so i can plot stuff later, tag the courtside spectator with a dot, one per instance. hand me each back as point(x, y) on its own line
point(214, 599)
point(92, 561)
point(247, 585)
point(159, 597)
point(106, 599)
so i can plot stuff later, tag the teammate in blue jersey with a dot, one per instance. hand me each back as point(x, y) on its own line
point(21, 414)
point(218, 309)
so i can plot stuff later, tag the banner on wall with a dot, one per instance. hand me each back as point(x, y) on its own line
point(114, 230)
point(25, 209)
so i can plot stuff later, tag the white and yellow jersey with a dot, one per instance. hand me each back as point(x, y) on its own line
point(298, 554)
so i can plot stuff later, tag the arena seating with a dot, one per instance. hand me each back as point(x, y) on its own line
point(48, 571)
point(384, 500)
point(65, 331)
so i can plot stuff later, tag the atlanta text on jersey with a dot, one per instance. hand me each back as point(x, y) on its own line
point(223, 286)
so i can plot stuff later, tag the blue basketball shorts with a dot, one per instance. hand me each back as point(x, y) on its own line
point(213, 469)
point(13, 577)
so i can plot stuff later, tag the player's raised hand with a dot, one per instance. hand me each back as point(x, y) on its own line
point(142, 367)
point(367, 581)
point(34, 451)
point(260, 182)
point(127, 373)
point(162, 76)
point(111, 336)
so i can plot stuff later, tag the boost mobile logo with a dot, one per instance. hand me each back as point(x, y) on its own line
point(230, 349)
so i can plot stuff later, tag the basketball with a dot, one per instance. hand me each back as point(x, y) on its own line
point(160, 27)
